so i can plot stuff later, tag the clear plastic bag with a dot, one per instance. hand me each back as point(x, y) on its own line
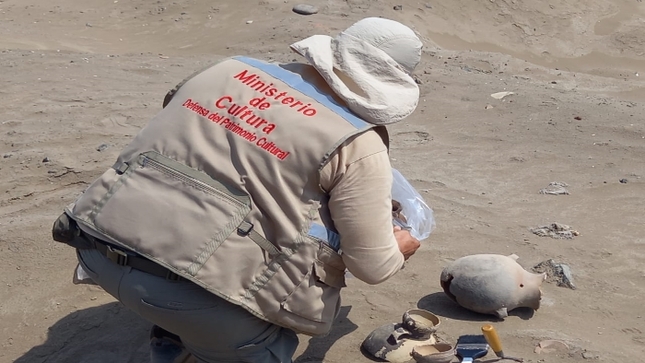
point(417, 216)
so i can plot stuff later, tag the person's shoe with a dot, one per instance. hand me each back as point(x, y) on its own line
point(166, 347)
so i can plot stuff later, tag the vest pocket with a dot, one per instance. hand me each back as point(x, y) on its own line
point(170, 212)
point(317, 297)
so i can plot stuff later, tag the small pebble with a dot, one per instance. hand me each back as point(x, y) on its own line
point(45, 159)
point(428, 5)
point(304, 9)
point(101, 147)
point(398, 7)
point(623, 181)
point(8, 155)
point(589, 355)
point(249, 21)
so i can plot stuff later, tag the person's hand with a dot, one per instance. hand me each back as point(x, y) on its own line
point(408, 245)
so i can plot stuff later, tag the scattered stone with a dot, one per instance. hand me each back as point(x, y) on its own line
point(623, 181)
point(590, 355)
point(488, 107)
point(101, 147)
point(45, 159)
point(88, 25)
point(249, 21)
point(577, 118)
point(304, 9)
point(501, 95)
point(556, 272)
point(7, 155)
point(398, 7)
point(555, 230)
point(555, 188)
point(428, 5)
point(52, 171)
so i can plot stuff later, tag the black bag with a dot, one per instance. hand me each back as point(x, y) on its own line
point(65, 230)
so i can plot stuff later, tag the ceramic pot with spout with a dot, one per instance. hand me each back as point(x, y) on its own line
point(491, 284)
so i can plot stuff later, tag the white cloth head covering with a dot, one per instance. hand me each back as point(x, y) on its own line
point(368, 66)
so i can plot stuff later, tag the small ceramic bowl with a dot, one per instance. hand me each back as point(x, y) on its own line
point(433, 353)
point(420, 322)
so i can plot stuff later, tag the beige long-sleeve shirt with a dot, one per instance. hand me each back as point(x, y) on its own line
point(359, 182)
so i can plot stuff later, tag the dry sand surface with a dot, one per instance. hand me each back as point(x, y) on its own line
point(79, 76)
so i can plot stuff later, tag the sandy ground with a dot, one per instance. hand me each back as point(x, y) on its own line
point(76, 78)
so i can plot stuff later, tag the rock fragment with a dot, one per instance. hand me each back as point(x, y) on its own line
point(501, 95)
point(556, 272)
point(304, 9)
point(555, 188)
point(551, 346)
point(590, 355)
point(555, 230)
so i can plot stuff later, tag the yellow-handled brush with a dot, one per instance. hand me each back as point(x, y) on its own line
point(495, 344)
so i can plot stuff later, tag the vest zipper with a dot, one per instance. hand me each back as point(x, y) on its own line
point(163, 168)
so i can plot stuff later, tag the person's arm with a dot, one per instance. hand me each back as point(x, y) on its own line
point(359, 182)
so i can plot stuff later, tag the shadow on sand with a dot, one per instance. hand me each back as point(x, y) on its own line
point(319, 346)
point(439, 303)
point(104, 334)
point(112, 333)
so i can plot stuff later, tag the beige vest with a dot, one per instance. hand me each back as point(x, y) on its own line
point(231, 163)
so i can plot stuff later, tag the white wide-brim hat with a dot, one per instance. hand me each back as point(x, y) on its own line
point(369, 66)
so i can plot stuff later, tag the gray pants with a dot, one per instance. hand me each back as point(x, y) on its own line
point(212, 329)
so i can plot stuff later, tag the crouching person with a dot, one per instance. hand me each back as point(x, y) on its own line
point(230, 219)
